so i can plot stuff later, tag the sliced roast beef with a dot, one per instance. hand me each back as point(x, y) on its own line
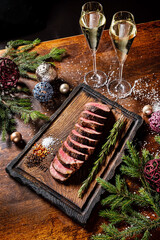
point(87, 132)
point(68, 161)
point(81, 142)
point(98, 108)
point(90, 124)
point(79, 146)
point(92, 116)
point(57, 175)
point(74, 153)
point(60, 168)
point(82, 139)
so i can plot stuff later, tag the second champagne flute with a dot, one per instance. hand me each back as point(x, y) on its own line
point(92, 22)
point(122, 32)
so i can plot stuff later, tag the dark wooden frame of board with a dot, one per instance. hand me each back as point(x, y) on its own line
point(79, 215)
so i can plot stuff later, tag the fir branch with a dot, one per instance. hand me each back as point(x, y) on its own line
point(121, 203)
point(110, 142)
point(28, 61)
point(120, 196)
point(157, 139)
point(9, 106)
point(134, 164)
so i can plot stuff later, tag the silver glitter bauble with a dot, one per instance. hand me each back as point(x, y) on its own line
point(64, 88)
point(45, 72)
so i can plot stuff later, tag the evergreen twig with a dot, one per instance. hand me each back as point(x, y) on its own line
point(27, 61)
point(122, 203)
point(9, 106)
point(157, 138)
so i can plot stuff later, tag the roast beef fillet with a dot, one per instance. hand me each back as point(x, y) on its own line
point(82, 139)
point(98, 108)
point(79, 146)
point(81, 142)
point(90, 124)
point(59, 167)
point(87, 132)
point(74, 153)
point(92, 116)
point(56, 174)
point(68, 161)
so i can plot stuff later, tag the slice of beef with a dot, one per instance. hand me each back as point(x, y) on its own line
point(60, 168)
point(92, 116)
point(87, 132)
point(82, 139)
point(79, 146)
point(68, 161)
point(90, 124)
point(57, 175)
point(74, 153)
point(98, 108)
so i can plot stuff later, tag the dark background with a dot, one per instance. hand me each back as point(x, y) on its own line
point(29, 19)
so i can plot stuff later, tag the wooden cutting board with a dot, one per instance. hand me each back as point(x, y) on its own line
point(65, 195)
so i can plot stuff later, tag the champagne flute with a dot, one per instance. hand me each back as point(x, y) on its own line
point(92, 22)
point(122, 32)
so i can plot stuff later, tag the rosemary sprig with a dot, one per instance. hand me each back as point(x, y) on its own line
point(110, 142)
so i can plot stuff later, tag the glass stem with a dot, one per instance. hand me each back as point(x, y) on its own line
point(94, 62)
point(121, 64)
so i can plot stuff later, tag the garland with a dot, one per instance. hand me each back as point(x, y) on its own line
point(122, 204)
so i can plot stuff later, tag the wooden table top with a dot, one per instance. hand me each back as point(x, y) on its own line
point(25, 215)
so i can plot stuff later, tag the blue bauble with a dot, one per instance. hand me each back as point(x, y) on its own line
point(43, 91)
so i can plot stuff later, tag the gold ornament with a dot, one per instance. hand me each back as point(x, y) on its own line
point(16, 137)
point(64, 88)
point(147, 110)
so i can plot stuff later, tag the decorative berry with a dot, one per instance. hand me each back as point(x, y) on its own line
point(155, 121)
point(43, 91)
point(9, 73)
point(152, 173)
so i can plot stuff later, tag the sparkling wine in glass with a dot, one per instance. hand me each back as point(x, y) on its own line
point(122, 32)
point(92, 22)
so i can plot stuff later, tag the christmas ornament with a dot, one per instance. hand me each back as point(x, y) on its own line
point(152, 173)
point(155, 121)
point(9, 73)
point(43, 91)
point(16, 137)
point(45, 72)
point(64, 88)
point(147, 110)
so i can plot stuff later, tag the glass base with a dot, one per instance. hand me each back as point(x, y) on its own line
point(119, 90)
point(95, 80)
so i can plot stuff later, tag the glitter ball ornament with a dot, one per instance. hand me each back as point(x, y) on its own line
point(43, 91)
point(45, 72)
point(155, 121)
point(9, 73)
point(152, 173)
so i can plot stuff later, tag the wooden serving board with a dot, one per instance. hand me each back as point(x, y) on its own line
point(65, 195)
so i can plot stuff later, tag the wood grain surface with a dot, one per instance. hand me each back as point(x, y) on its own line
point(23, 214)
